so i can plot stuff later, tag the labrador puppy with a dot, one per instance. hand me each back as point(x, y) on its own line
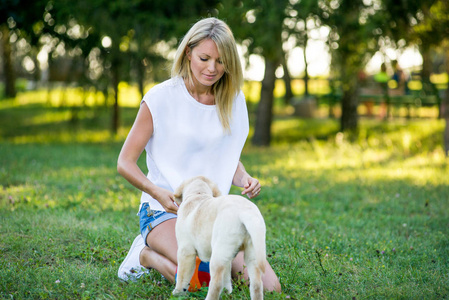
point(215, 228)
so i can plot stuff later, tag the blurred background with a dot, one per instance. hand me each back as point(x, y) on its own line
point(343, 59)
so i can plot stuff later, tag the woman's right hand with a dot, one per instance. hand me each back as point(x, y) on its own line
point(166, 199)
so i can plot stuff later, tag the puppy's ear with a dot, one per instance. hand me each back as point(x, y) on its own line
point(216, 192)
point(178, 194)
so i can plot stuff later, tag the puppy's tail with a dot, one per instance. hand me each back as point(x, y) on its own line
point(255, 249)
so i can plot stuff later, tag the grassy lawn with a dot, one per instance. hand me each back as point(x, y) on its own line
point(366, 218)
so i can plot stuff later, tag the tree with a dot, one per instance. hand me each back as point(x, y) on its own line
point(445, 106)
point(8, 70)
point(14, 22)
point(300, 15)
point(287, 80)
point(268, 28)
point(351, 42)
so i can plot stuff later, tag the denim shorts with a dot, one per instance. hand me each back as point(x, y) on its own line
point(151, 218)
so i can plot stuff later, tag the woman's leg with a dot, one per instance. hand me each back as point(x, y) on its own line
point(162, 254)
point(270, 280)
point(151, 259)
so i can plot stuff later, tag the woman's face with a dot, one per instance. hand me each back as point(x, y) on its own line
point(205, 63)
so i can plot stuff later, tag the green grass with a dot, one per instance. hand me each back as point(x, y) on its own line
point(366, 218)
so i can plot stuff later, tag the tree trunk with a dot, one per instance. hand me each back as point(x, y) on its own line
point(446, 129)
point(426, 64)
point(306, 66)
point(445, 109)
point(141, 77)
point(288, 83)
point(262, 132)
point(349, 116)
point(8, 68)
point(349, 103)
point(428, 86)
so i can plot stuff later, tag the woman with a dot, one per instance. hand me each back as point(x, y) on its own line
point(195, 123)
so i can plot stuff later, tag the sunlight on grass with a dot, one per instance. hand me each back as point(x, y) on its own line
point(79, 136)
point(405, 152)
point(49, 117)
point(129, 96)
point(70, 96)
point(352, 163)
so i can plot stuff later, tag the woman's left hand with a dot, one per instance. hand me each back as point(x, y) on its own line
point(251, 187)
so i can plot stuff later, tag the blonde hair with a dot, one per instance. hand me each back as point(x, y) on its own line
point(229, 85)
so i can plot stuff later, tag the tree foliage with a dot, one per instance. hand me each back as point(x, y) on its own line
point(299, 16)
point(352, 42)
point(258, 25)
point(135, 29)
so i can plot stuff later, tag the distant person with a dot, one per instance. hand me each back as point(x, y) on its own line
point(362, 78)
point(400, 77)
point(382, 79)
point(195, 123)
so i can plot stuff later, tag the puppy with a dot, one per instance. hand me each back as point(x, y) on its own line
point(215, 228)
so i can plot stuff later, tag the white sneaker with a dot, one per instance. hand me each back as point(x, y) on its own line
point(131, 269)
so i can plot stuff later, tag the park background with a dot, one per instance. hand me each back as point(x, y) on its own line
point(353, 163)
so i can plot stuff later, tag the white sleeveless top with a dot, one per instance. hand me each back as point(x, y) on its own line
point(188, 139)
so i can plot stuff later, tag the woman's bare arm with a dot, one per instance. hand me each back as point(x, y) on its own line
point(133, 147)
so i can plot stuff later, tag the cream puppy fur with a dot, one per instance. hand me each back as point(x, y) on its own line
point(215, 228)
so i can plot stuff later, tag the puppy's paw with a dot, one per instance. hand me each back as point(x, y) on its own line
point(179, 293)
point(227, 290)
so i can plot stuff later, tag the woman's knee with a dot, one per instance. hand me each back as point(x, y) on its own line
point(152, 259)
